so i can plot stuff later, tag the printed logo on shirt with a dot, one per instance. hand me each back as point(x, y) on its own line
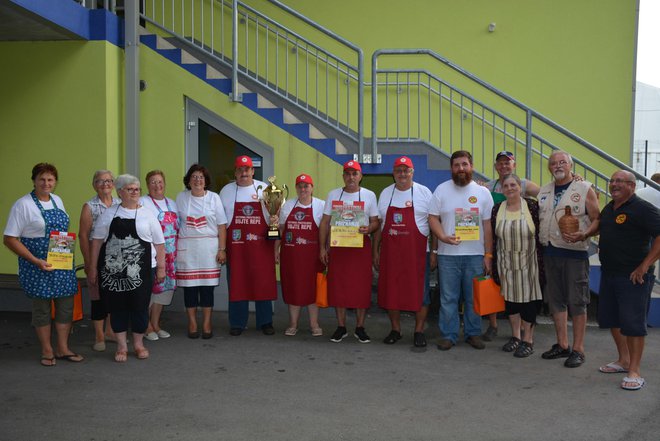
point(472, 199)
point(575, 197)
point(397, 218)
point(620, 219)
point(288, 237)
point(236, 235)
point(251, 236)
point(301, 241)
point(408, 203)
point(247, 210)
point(255, 197)
point(299, 215)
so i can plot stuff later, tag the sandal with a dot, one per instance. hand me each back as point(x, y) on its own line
point(291, 331)
point(73, 358)
point(392, 337)
point(48, 361)
point(524, 350)
point(317, 332)
point(142, 353)
point(121, 356)
point(511, 345)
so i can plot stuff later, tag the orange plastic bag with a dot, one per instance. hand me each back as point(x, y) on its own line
point(322, 290)
point(77, 306)
point(486, 296)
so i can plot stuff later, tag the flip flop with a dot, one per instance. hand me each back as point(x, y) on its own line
point(142, 353)
point(638, 383)
point(291, 331)
point(613, 368)
point(121, 356)
point(48, 361)
point(73, 358)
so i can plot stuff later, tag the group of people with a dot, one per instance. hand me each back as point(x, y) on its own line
point(138, 249)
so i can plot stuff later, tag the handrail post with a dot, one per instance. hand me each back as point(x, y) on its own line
point(132, 88)
point(360, 122)
point(374, 104)
point(235, 96)
point(528, 144)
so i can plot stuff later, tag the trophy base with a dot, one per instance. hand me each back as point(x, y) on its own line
point(273, 235)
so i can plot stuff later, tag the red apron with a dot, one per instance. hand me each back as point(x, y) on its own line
point(251, 256)
point(402, 261)
point(350, 276)
point(299, 257)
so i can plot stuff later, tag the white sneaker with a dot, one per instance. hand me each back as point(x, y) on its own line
point(163, 334)
point(152, 336)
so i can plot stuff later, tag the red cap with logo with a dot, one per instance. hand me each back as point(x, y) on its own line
point(353, 165)
point(404, 160)
point(243, 161)
point(306, 179)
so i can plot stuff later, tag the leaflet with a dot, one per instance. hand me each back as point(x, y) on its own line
point(61, 246)
point(467, 224)
point(346, 218)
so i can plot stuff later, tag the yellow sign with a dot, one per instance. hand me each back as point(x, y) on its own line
point(60, 250)
point(346, 237)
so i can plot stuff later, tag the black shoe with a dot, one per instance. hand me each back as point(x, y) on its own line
point(576, 359)
point(193, 334)
point(207, 335)
point(555, 352)
point(361, 335)
point(524, 350)
point(339, 334)
point(392, 338)
point(268, 329)
point(419, 340)
point(511, 345)
point(235, 331)
point(490, 334)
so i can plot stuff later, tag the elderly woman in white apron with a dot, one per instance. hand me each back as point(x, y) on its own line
point(103, 183)
point(31, 221)
point(127, 246)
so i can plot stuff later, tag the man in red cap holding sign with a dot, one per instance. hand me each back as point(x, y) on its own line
point(250, 255)
point(349, 216)
point(400, 250)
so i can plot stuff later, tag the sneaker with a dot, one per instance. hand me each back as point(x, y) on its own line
point(490, 334)
point(268, 329)
point(576, 359)
point(555, 352)
point(445, 345)
point(163, 334)
point(511, 345)
point(393, 337)
point(339, 335)
point(152, 336)
point(475, 342)
point(361, 335)
point(419, 340)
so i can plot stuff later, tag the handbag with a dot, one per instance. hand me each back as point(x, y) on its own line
point(77, 306)
point(486, 296)
point(322, 290)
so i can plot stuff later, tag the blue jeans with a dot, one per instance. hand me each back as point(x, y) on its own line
point(456, 274)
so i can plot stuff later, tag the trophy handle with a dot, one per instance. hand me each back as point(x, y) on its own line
point(287, 192)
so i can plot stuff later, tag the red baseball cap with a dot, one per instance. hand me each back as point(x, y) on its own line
point(243, 161)
point(404, 160)
point(354, 165)
point(307, 179)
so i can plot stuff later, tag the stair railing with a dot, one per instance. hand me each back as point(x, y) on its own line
point(419, 106)
point(325, 81)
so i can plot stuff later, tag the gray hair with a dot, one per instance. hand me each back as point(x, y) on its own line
point(514, 176)
point(98, 173)
point(561, 152)
point(124, 180)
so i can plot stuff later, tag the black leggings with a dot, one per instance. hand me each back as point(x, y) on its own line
point(194, 296)
point(527, 311)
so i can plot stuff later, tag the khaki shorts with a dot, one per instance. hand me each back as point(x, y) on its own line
point(41, 311)
point(164, 298)
point(567, 284)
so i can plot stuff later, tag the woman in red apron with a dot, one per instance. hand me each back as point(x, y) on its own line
point(401, 258)
point(299, 254)
point(349, 269)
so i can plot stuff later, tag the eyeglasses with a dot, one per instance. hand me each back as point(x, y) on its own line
point(197, 178)
point(154, 182)
point(104, 181)
point(619, 181)
point(131, 190)
point(403, 171)
point(558, 163)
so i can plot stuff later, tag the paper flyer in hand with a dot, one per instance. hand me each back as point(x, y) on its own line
point(468, 224)
point(61, 247)
point(345, 221)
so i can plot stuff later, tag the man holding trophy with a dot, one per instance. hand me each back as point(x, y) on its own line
point(250, 254)
point(349, 216)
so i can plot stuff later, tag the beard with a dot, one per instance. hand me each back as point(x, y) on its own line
point(559, 175)
point(462, 178)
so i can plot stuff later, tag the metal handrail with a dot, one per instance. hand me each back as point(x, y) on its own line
point(530, 113)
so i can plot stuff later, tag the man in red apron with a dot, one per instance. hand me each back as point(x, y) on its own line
point(400, 250)
point(349, 268)
point(250, 255)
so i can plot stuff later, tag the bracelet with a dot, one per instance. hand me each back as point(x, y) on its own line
point(222, 249)
point(488, 255)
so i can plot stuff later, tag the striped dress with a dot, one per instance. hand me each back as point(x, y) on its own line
point(516, 255)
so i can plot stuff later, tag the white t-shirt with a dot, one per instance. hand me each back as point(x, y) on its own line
point(148, 202)
point(317, 209)
point(147, 226)
point(650, 194)
point(421, 199)
point(367, 196)
point(447, 197)
point(232, 193)
point(191, 209)
point(25, 219)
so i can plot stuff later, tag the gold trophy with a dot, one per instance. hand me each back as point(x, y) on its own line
point(274, 197)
